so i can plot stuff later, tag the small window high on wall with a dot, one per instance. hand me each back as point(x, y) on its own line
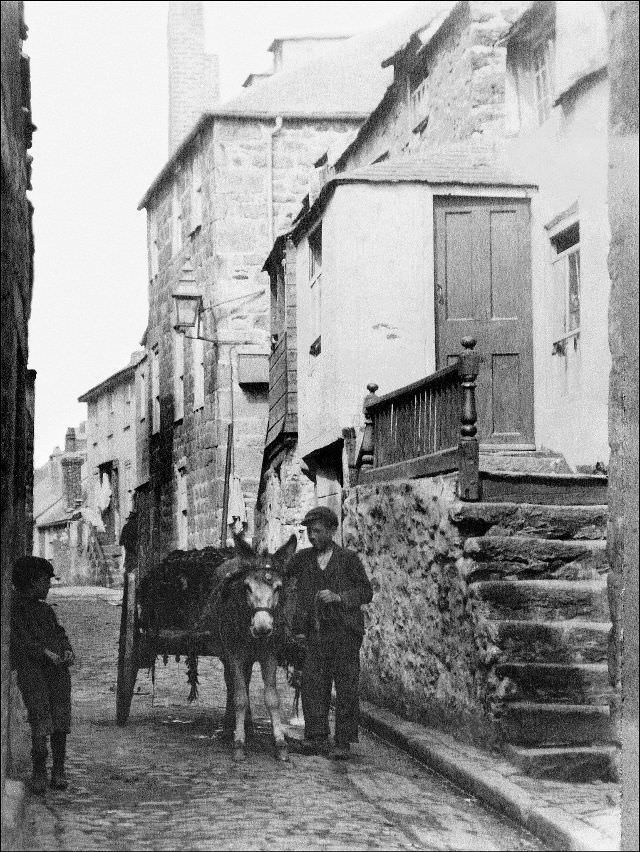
point(315, 284)
point(566, 288)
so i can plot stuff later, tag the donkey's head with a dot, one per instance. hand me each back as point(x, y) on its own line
point(263, 583)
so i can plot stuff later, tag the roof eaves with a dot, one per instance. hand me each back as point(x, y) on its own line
point(423, 36)
point(249, 115)
point(113, 380)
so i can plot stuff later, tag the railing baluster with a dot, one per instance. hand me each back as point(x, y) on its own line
point(468, 450)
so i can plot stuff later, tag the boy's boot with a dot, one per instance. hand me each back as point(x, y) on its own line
point(39, 761)
point(58, 750)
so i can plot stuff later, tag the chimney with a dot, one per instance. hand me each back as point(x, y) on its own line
point(193, 76)
point(70, 440)
point(72, 480)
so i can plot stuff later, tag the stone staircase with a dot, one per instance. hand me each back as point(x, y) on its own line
point(536, 566)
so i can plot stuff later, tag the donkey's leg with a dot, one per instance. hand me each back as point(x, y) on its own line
point(229, 721)
point(248, 719)
point(241, 699)
point(272, 703)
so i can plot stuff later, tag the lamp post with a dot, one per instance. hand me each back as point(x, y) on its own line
point(189, 308)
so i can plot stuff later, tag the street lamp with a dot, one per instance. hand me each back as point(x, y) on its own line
point(188, 305)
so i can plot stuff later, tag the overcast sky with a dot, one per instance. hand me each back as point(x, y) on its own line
point(99, 99)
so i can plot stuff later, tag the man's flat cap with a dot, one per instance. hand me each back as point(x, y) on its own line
point(27, 568)
point(323, 514)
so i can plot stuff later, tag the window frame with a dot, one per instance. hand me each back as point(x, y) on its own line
point(155, 390)
point(178, 377)
point(315, 288)
point(562, 260)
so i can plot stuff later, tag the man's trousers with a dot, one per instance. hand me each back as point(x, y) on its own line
point(332, 657)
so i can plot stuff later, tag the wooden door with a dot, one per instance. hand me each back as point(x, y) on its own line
point(483, 290)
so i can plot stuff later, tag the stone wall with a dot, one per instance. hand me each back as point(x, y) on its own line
point(425, 654)
point(16, 275)
point(622, 533)
point(286, 495)
point(466, 69)
point(244, 203)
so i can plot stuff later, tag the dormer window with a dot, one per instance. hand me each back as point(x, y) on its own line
point(530, 64)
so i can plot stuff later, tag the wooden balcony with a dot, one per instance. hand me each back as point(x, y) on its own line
point(283, 395)
point(425, 428)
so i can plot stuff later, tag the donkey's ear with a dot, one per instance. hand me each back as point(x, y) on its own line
point(284, 553)
point(244, 550)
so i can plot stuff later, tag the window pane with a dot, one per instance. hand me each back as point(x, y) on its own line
point(574, 291)
point(558, 327)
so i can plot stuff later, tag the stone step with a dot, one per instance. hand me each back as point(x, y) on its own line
point(523, 462)
point(543, 600)
point(519, 557)
point(580, 764)
point(553, 522)
point(547, 489)
point(553, 641)
point(556, 683)
point(539, 725)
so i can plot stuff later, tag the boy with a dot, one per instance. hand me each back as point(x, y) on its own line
point(41, 654)
point(332, 586)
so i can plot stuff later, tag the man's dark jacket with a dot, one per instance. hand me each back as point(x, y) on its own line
point(34, 627)
point(344, 575)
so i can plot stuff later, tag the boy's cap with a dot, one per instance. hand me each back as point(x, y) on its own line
point(323, 514)
point(27, 568)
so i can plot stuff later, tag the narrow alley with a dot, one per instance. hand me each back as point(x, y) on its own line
point(167, 781)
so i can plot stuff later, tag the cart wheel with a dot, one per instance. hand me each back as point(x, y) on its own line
point(127, 650)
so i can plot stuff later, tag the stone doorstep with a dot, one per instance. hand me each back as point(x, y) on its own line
point(532, 520)
point(564, 683)
point(492, 781)
point(532, 724)
point(543, 600)
point(553, 641)
point(564, 763)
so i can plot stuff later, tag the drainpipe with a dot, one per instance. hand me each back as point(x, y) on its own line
point(277, 127)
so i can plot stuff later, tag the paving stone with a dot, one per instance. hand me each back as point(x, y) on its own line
point(166, 780)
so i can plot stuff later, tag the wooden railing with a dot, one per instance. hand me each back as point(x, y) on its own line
point(425, 428)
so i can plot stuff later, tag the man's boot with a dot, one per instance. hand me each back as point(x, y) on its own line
point(58, 750)
point(39, 761)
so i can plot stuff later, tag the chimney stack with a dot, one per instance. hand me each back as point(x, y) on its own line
point(72, 480)
point(193, 75)
point(70, 440)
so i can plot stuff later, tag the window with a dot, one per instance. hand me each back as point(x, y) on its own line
point(182, 509)
point(197, 360)
point(278, 320)
point(196, 196)
point(315, 283)
point(142, 395)
point(541, 71)
point(178, 377)
point(155, 390)
point(153, 246)
point(128, 400)
point(128, 488)
point(419, 106)
point(176, 222)
point(110, 403)
point(566, 288)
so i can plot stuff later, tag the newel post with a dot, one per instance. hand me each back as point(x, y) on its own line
point(468, 451)
point(367, 448)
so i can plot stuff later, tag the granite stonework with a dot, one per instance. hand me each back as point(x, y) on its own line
point(244, 202)
point(427, 652)
point(466, 68)
point(286, 494)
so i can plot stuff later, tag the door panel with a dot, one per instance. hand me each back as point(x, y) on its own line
point(483, 290)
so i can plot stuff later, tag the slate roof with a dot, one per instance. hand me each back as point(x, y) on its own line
point(347, 81)
point(461, 163)
point(116, 379)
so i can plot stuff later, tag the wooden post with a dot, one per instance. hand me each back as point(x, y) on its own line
point(225, 494)
point(468, 451)
point(367, 448)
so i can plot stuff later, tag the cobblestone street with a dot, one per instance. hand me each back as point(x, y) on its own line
point(166, 780)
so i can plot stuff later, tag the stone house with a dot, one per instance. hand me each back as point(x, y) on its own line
point(59, 508)
point(471, 204)
point(228, 189)
point(463, 120)
point(17, 382)
point(112, 466)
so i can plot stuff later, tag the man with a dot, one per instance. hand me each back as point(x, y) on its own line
point(331, 588)
point(41, 654)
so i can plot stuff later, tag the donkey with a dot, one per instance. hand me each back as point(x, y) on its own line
point(246, 611)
